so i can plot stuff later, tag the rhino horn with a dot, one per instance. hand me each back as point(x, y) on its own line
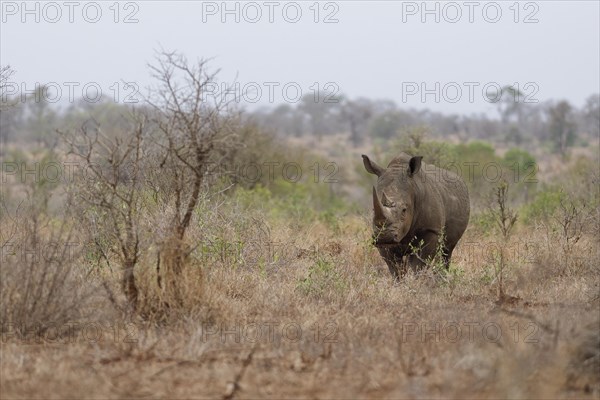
point(377, 206)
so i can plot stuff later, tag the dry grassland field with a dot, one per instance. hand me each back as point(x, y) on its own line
point(192, 246)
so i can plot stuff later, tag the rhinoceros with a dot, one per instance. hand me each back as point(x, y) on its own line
point(419, 211)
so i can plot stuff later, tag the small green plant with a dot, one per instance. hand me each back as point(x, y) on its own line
point(332, 220)
point(505, 219)
point(488, 274)
point(322, 276)
point(448, 274)
point(220, 250)
point(438, 261)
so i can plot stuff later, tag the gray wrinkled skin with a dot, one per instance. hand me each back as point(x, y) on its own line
point(414, 201)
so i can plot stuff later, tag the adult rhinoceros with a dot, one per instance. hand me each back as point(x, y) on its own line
point(418, 207)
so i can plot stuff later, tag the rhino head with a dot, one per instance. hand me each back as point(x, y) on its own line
point(393, 200)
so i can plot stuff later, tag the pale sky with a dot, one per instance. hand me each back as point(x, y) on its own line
point(371, 49)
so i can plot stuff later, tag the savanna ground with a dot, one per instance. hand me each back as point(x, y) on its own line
point(275, 290)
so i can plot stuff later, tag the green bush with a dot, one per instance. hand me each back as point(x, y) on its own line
point(544, 204)
point(306, 201)
point(483, 222)
point(413, 141)
point(522, 164)
point(520, 169)
point(387, 124)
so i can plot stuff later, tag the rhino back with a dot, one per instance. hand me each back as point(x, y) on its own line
point(450, 193)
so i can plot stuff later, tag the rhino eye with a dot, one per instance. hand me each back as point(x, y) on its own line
point(403, 209)
point(390, 204)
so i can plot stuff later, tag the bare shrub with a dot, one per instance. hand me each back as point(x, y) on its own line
point(569, 243)
point(42, 285)
point(191, 127)
point(571, 219)
point(112, 195)
point(154, 174)
point(6, 72)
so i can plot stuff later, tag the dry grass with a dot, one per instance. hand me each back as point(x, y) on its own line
point(291, 309)
point(300, 307)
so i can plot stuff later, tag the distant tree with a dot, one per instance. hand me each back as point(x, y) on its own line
point(285, 119)
point(509, 103)
point(355, 113)
point(591, 114)
point(561, 127)
point(10, 114)
point(514, 135)
point(40, 118)
point(389, 123)
point(511, 108)
point(439, 123)
point(320, 109)
point(534, 122)
point(480, 127)
point(381, 106)
point(10, 122)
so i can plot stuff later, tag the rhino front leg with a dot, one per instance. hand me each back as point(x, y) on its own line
point(395, 262)
point(425, 253)
point(447, 257)
point(393, 269)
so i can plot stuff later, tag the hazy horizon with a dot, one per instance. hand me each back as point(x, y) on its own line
point(378, 50)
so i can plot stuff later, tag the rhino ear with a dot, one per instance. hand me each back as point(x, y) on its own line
point(414, 165)
point(372, 166)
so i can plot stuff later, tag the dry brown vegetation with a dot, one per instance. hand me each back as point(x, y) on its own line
point(265, 292)
point(320, 319)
